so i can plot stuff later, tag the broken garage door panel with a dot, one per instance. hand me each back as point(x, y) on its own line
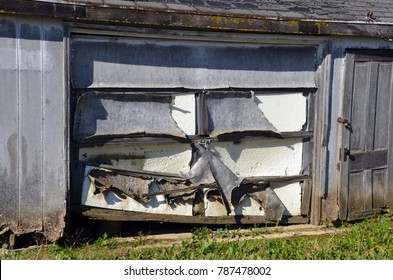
point(200, 173)
point(274, 208)
point(232, 190)
point(101, 114)
point(265, 196)
point(239, 194)
point(131, 186)
point(230, 112)
point(137, 187)
point(229, 184)
point(225, 179)
point(177, 191)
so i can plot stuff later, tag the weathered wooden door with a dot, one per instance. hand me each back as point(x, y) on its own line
point(367, 132)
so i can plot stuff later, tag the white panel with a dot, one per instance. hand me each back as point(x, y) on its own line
point(286, 111)
point(290, 196)
point(193, 78)
point(248, 206)
point(262, 157)
point(173, 158)
point(183, 112)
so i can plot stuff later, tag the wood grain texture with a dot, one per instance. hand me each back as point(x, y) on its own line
point(117, 215)
point(365, 174)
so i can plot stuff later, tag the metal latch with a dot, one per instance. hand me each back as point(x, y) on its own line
point(347, 153)
point(344, 155)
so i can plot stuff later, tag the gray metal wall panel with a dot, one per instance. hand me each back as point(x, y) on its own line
point(30, 122)
point(9, 125)
point(32, 116)
point(54, 134)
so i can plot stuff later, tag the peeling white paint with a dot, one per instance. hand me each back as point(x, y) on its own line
point(290, 196)
point(279, 157)
point(286, 111)
point(167, 158)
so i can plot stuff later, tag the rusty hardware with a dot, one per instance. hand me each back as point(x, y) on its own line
point(347, 153)
point(343, 121)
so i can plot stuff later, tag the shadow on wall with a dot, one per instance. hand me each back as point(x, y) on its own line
point(240, 57)
point(29, 31)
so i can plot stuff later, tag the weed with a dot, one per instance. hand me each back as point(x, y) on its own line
point(102, 241)
point(226, 233)
point(73, 239)
point(142, 238)
point(39, 239)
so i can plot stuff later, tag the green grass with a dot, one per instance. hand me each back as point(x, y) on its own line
point(370, 239)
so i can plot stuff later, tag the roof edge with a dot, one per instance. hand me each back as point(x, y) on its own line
point(193, 20)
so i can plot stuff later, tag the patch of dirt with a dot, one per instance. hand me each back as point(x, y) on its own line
point(170, 239)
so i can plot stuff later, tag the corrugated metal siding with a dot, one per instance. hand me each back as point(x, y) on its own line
point(32, 120)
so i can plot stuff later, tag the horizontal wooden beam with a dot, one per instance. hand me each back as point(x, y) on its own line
point(170, 176)
point(267, 179)
point(255, 180)
point(146, 140)
point(119, 215)
point(192, 20)
point(361, 215)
